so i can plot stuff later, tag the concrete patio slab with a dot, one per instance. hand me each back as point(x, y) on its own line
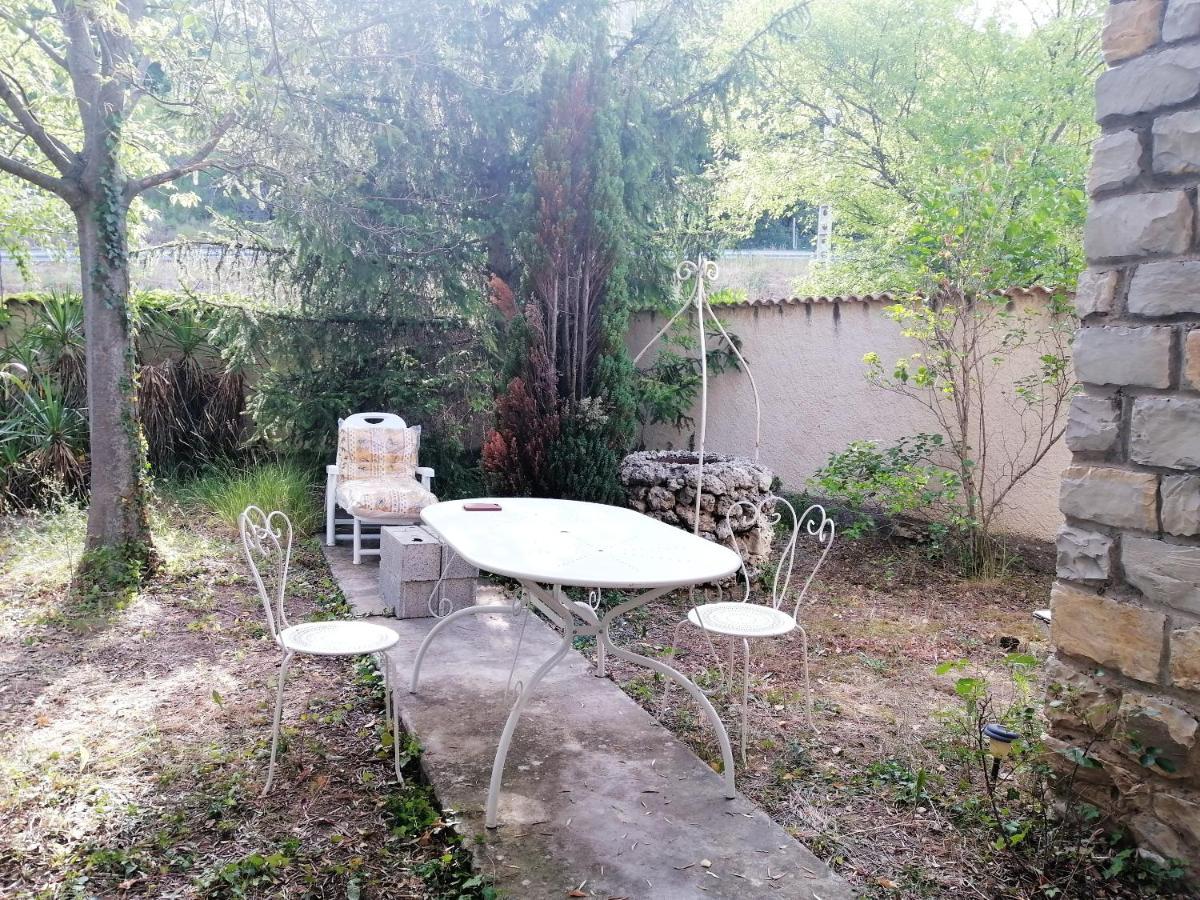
point(598, 797)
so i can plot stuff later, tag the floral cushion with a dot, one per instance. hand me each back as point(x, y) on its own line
point(374, 451)
point(383, 499)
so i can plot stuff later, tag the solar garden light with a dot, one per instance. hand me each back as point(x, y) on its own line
point(1000, 744)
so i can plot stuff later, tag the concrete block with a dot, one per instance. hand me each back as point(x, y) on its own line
point(407, 553)
point(454, 566)
point(412, 598)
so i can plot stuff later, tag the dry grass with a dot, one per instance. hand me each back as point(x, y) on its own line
point(883, 618)
point(134, 739)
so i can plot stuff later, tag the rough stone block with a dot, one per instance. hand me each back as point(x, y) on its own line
point(1165, 573)
point(1130, 28)
point(1096, 292)
point(455, 594)
point(1093, 424)
point(1151, 722)
point(1116, 161)
point(1165, 288)
point(1182, 20)
point(1111, 496)
point(1185, 658)
point(1078, 701)
point(1083, 555)
point(1150, 82)
point(1177, 143)
point(1165, 431)
point(1191, 359)
point(1138, 225)
point(1181, 505)
point(1116, 354)
point(1180, 811)
point(1117, 635)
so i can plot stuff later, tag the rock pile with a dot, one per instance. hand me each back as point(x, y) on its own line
point(662, 484)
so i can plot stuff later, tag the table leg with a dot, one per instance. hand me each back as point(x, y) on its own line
point(510, 610)
point(665, 670)
point(514, 715)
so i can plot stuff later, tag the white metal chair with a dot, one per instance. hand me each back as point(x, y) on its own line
point(376, 479)
point(747, 621)
point(267, 543)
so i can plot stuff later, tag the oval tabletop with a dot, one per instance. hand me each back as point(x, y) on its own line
point(577, 544)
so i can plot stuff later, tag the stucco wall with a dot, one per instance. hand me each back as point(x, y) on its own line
point(807, 359)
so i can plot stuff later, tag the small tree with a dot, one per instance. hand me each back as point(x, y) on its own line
point(967, 333)
point(94, 92)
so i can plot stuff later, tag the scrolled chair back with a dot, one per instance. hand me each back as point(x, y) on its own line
point(814, 520)
point(267, 544)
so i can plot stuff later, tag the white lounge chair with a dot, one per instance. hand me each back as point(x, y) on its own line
point(376, 479)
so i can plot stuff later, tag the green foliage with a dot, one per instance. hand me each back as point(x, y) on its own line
point(995, 377)
point(190, 405)
point(583, 462)
point(898, 480)
point(1033, 815)
point(248, 875)
point(284, 485)
point(946, 124)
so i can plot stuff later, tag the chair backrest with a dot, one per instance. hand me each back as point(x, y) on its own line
point(267, 544)
point(374, 445)
point(814, 520)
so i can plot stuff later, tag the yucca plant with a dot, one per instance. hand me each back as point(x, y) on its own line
point(56, 334)
point(53, 435)
point(191, 409)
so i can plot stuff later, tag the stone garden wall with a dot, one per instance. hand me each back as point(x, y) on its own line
point(1126, 606)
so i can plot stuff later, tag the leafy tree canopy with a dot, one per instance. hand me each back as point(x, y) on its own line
point(948, 129)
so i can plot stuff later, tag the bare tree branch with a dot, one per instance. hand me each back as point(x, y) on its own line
point(46, 47)
point(36, 177)
point(197, 161)
point(54, 149)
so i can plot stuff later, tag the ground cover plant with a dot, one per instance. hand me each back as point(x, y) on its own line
point(907, 659)
point(135, 728)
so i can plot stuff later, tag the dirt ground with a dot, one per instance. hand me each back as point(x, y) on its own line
point(135, 737)
point(882, 618)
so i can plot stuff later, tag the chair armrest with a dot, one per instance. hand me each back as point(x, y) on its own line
point(425, 476)
point(331, 470)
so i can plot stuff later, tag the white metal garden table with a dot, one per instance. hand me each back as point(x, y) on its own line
point(547, 545)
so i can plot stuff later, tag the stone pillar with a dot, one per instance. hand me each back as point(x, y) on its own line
point(1126, 606)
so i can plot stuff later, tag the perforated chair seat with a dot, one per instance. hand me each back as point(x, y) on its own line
point(744, 620)
point(338, 638)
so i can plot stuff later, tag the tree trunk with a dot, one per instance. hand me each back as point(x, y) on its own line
point(117, 519)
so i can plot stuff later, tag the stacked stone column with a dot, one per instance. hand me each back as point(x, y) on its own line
point(1126, 606)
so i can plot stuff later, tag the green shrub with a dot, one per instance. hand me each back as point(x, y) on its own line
point(873, 481)
point(282, 485)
